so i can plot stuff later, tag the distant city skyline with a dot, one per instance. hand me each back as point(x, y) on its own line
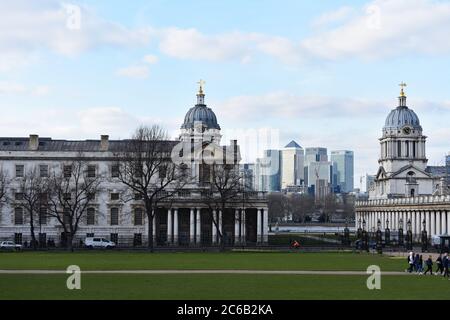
point(111, 66)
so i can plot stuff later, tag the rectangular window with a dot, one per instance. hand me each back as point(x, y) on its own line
point(138, 215)
point(43, 171)
point(114, 216)
point(115, 196)
point(399, 149)
point(18, 196)
point(137, 239)
point(20, 170)
point(91, 171)
point(407, 149)
point(114, 238)
point(43, 215)
point(162, 172)
point(89, 235)
point(67, 171)
point(137, 196)
point(18, 238)
point(18, 215)
point(90, 216)
point(115, 171)
point(414, 149)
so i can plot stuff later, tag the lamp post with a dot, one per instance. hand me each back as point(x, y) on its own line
point(365, 237)
point(387, 233)
point(359, 231)
point(409, 243)
point(400, 233)
point(424, 236)
point(346, 240)
point(379, 238)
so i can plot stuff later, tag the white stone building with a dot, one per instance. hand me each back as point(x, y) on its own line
point(403, 190)
point(184, 220)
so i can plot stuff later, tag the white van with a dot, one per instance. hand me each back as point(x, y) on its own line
point(99, 243)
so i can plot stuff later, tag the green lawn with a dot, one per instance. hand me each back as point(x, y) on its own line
point(239, 287)
point(212, 286)
point(230, 260)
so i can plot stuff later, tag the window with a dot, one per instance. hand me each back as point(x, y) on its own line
point(114, 237)
point(67, 196)
point(90, 216)
point(138, 217)
point(137, 239)
point(407, 148)
point(66, 217)
point(42, 215)
point(43, 171)
point(114, 216)
point(115, 171)
point(20, 168)
point(91, 196)
point(162, 172)
point(91, 171)
point(67, 171)
point(399, 148)
point(137, 196)
point(414, 149)
point(18, 196)
point(89, 235)
point(115, 196)
point(18, 215)
point(18, 238)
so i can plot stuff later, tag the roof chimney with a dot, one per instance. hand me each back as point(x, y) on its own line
point(34, 142)
point(104, 143)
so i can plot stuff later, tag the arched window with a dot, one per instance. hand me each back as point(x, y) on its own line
point(411, 177)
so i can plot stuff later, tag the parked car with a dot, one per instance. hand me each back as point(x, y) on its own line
point(98, 243)
point(10, 245)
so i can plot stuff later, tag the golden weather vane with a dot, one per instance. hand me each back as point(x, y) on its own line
point(201, 83)
point(402, 92)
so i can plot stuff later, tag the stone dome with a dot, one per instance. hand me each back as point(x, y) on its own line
point(400, 117)
point(200, 113)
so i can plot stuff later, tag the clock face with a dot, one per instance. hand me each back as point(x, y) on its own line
point(406, 130)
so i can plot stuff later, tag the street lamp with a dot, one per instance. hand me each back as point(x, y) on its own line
point(359, 231)
point(409, 235)
point(379, 238)
point(387, 233)
point(400, 232)
point(424, 236)
point(365, 236)
point(346, 240)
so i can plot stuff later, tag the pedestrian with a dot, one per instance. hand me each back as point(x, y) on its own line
point(416, 263)
point(410, 262)
point(429, 264)
point(445, 264)
point(440, 268)
point(420, 265)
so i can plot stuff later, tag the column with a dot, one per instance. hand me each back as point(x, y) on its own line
point(447, 219)
point(265, 225)
point(243, 227)
point(237, 222)
point(258, 225)
point(169, 226)
point(443, 222)
point(175, 226)
point(438, 222)
point(428, 222)
point(154, 226)
point(220, 225)
point(191, 226)
point(433, 222)
point(198, 230)
point(214, 227)
point(420, 213)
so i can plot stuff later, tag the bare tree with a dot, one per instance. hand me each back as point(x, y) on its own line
point(146, 168)
point(32, 187)
point(70, 192)
point(225, 187)
point(4, 182)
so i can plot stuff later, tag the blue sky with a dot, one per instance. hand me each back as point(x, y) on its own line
point(324, 73)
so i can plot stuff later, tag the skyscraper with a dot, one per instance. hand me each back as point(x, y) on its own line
point(292, 161)
point(268, 171)
point(313, 155)
point(343, 163)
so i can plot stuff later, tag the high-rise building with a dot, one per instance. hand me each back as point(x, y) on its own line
point(343, 164)
point(316, 154)
point(268, 171)
point(248, 174)
point(292, 161)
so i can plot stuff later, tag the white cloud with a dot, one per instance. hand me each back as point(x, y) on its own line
point(135, 72)
point(13, 88)
point(333, 17)
point(27, 28)
point(150, 59)
point(386, 28)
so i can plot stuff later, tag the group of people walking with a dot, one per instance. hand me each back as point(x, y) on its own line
point(416, 264)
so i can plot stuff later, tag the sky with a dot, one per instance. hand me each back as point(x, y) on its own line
point(322, 73)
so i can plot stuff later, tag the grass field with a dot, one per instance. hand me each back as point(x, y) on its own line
point(212, 286)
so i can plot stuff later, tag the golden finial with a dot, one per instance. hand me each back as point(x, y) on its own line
point(201, 83)
point(402, 92)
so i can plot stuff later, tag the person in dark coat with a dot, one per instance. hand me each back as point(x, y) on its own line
point(440, 268)
point(416, 262)
point(445, 265)
point(429, 264)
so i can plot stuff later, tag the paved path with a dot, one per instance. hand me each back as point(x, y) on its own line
point(278, 272)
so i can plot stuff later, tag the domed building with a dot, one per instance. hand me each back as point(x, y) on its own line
point(403, 162)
